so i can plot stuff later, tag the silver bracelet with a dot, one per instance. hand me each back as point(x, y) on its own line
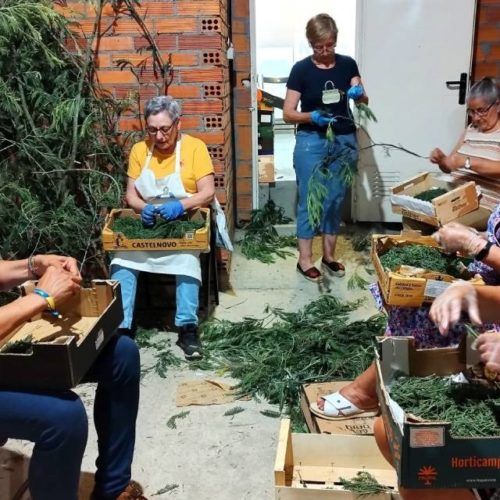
point(32, 267)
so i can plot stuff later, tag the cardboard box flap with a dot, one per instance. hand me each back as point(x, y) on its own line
point(86, 302)
point(456, 202)
point(400, 357)
point(79, 314)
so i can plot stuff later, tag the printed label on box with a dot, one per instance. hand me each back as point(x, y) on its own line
point(426, 437)
point(433, 288)
point(99, 340)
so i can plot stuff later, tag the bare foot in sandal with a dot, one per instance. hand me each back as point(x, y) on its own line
point(359, 398)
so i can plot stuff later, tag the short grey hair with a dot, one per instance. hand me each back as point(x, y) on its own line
point(163, 103)
point(487, 89)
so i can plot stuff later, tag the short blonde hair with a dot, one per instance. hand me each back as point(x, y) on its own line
point(321, 27)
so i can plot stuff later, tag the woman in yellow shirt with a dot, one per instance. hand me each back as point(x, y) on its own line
point(168, 174)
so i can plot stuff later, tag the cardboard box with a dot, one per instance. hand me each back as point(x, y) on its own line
point(195, 240)
point(65, 348)
point(477, 219)
point(309, 466)
point(310, 393)
point(425, 453)
point(456, 202)
point(266, 169)
point(408, 291)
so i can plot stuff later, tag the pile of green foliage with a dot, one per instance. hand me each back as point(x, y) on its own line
point(421, 256)
point(273, 356)
point(262, 241)
point(430, 194)
point(133, 228)
point(61, 160)
point(436, 399)
point(22, 346)
point(363, 483)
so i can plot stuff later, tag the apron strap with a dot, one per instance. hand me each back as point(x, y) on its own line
point(149, 156)
point(178, 156)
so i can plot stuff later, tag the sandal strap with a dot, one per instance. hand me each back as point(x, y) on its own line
point(334, 265)
point(336, 404)
point(313, 272)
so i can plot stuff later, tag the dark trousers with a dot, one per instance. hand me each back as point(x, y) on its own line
point(57, 423)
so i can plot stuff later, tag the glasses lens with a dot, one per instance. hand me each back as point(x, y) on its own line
point(321, 48)
point(162, 130)
point(479, 111)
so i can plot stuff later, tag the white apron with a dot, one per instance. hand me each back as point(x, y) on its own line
point(156, 192)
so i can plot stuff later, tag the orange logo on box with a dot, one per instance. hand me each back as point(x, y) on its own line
point(427, 475)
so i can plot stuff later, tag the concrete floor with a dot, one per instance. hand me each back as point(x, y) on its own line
point(209, 456)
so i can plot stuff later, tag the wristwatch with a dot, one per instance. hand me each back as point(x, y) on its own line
point(483, 253)
point(467, 163)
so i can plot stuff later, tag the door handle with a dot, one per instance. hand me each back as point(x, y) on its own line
point(461, 85)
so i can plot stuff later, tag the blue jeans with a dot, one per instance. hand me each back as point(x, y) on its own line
point(310, 149)
point(57, 423)
point(186, 296)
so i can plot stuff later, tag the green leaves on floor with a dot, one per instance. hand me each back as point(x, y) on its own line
point(273, 356)
point(164, 357)
point(262, 241)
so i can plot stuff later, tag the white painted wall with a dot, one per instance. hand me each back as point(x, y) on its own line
point(280, 34)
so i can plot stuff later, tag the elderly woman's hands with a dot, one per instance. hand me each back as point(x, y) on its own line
point(455, 237)
point(446, 163)
point(43, 262)
point(59, 283)
point(447, 307)
point(488, 345)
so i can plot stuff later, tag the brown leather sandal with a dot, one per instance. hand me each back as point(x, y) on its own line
point(334, 268)
point(133, 491)
point(311, 274)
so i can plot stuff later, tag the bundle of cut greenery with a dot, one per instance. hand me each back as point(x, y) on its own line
point(22, 346)
point(424, 257)
point(430, 194)
point(317, 189)
point(361, 241)
point(362, 484)
point(133, 228)
point(437, 399)
point(273, 356)
point(262, 241)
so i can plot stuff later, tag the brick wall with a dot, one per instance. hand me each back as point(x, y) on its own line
point(486, 60)
point(195, 34)
point(240, 36)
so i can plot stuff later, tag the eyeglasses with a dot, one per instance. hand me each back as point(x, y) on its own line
point(164, 131)
point(480, 111)
point(321, 48)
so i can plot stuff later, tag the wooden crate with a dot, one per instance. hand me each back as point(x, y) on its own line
point(408, 291)
point(309, 466)
point(456, 202)
point(196, 240)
